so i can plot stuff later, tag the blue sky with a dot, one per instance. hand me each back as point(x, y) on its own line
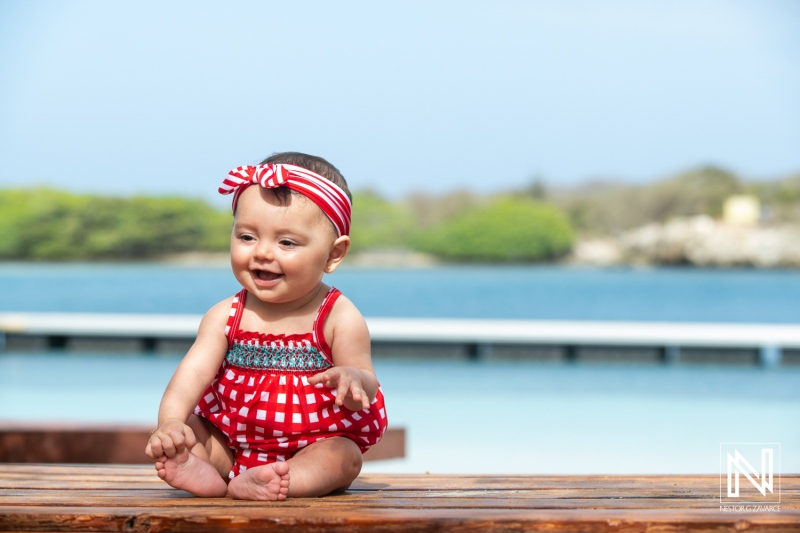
point(166, 97)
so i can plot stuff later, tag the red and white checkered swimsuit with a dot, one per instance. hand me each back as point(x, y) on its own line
point(262, 401)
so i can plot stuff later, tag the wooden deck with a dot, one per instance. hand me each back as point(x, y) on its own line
point(131, 498)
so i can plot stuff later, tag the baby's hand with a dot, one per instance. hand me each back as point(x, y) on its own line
point(170, 438)
point(347, 381)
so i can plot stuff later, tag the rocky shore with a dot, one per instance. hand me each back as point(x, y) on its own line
point(697, 241)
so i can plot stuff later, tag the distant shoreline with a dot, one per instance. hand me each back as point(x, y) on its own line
point(594, 254)
point(690, 242)
point(366, 259)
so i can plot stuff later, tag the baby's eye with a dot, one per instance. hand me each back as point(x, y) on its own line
point(247, 238)
point(287, 242)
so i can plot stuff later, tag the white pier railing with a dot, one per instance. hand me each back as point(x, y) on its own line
point(478, 335)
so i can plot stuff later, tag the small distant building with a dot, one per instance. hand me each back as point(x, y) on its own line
point(741, 210)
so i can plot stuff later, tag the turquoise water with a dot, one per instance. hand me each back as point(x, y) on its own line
point(482, 418)
point(461, 417)
point(556, 293)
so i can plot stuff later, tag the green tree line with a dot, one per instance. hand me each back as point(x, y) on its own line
point(461, 227)
point(46, 224)
point(529, 225)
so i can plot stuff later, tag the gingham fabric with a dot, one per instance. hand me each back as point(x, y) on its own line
point(262, 401)
point(328, 196)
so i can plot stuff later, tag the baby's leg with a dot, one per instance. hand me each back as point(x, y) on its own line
point(325, 466)
point(203, 470)
point(316, 470)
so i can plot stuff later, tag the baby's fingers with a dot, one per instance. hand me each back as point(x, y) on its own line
point(155, 448)
point(342, 390)
point(148, 450)
point(182, 438)
point(316, 378)
point(327, 377)
point(168, 446)
point(189, 438)
point(359, 395)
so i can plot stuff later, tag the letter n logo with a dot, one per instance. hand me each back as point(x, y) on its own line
point(738, 465)
point(736, 462)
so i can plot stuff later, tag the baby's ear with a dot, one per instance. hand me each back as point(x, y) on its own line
point(338, 252)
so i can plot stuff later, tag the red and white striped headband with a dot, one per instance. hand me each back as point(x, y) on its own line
point(328, 196)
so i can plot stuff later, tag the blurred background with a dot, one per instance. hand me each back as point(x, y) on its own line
point(546, 160)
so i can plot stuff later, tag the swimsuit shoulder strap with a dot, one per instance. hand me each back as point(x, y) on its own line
point(237, 306)
point(319, 322)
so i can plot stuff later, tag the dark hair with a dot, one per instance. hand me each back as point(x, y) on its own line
point(312, 163)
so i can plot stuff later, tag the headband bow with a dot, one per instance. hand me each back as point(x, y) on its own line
point(330, 198)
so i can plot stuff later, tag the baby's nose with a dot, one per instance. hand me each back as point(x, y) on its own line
point(264, 251)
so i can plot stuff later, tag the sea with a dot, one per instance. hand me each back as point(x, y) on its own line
point(487, 417)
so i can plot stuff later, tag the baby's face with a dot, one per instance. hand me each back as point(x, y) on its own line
point(279, 252)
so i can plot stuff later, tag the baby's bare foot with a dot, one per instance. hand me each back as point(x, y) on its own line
point(266, 482)
point(188, 472)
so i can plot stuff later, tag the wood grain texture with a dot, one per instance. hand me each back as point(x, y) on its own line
point(117, 444)
point(36, 497)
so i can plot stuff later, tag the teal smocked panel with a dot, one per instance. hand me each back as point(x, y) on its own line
point(296, 357)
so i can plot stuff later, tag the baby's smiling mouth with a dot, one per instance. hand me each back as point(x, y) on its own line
point(265, 275)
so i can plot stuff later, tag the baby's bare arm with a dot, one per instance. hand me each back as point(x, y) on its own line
point(193, 375)
point(352, 374)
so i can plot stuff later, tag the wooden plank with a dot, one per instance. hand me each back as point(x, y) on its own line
point(116, 444)
point(432, 499)
point(272, 517)
point(36, 497)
